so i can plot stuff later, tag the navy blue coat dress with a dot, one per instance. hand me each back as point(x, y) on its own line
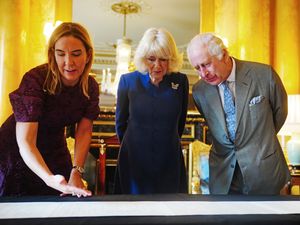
point(149, 123)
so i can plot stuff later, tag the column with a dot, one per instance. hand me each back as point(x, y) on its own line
point(13, 37)
point(207, 15)
point(254, 40)
point(287, 43)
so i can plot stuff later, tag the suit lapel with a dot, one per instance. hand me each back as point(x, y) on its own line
point(243, 84)
point(216, 112)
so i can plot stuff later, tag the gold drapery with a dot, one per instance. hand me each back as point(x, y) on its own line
point(264, 31)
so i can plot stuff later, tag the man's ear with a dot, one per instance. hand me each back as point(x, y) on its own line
point(225, 55)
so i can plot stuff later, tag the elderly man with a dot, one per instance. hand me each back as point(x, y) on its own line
point(245, 105)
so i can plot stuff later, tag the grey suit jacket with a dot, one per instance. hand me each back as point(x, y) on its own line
point(256, 147)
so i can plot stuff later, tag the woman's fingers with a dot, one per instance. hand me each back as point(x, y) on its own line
point(75, 191)
point(59, 183)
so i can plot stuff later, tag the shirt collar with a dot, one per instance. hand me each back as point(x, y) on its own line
point(231, 77)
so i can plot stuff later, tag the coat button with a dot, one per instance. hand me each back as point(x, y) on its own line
point(232, 166)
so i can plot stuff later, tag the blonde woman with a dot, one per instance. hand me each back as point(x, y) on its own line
point(34, 159)
point(150, 118)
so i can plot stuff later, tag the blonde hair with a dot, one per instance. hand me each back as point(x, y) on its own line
point(160, 43)
point(53, 83)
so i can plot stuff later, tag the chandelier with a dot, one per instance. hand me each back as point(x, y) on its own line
point(123, 46)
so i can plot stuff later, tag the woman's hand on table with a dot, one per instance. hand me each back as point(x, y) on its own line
point(59, 183)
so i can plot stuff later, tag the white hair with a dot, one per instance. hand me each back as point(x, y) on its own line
point(215, 45)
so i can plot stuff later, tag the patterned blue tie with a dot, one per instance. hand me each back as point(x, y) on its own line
point(229, 110)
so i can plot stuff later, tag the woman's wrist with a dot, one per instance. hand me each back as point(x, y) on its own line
point(78, 169)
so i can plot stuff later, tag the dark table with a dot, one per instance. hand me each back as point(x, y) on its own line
point(151, 209)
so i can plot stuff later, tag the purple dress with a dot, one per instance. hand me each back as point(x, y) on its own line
point(31, 103)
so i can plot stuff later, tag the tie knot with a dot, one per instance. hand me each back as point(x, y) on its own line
point(227, 90)
point(225, 84)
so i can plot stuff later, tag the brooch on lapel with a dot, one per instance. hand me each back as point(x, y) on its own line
point(174, 86)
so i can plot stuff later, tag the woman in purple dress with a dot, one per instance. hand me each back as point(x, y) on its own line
point(34, 158)
point(150, 118)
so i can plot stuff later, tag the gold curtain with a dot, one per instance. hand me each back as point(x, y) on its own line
point(22, 42)
point(265, 31)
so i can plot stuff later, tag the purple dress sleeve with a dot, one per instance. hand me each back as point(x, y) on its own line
point(27, 100)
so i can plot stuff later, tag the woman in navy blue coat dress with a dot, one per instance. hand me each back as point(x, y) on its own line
point(150, 118)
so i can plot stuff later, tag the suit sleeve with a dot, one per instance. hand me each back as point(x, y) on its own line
point(185, 98)
point(278, 98)
point(195, 98)
point(122, 108)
